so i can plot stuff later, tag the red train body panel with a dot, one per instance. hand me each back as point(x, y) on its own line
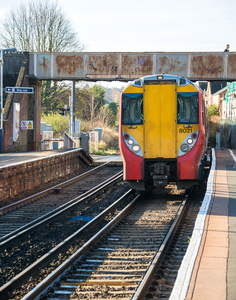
point(163, 132)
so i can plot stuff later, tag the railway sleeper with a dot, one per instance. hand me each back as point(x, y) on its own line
point(108, 282)
point(104, 266)
point(110, 270)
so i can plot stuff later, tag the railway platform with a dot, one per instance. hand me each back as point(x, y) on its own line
point(112, 159)
point(22, 171)
point(20, 157)
point(208, 268)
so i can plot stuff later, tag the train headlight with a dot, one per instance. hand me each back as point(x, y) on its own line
point(184, 147)
point(136, 148)
point(189, 141)
point(130, 142)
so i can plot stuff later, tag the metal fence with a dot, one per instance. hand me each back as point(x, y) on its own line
point(226, 138)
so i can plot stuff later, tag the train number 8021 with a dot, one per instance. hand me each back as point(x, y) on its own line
point(185, 130)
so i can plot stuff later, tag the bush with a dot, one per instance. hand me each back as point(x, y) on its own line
point(110, 136)
point(59, 123)
point(213, 110)
point(214, 126)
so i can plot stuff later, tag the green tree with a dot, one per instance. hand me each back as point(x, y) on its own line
point(113, 107)
point(83, 103)
point(98, 93)
point(213, 110)
point(54, 95)
point(58, 122)
point(88, 102)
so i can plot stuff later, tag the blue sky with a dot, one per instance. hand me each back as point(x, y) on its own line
point(150, 25)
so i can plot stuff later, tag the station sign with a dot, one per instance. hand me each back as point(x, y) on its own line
point(19, 90)
point(16, 122)
point(25, 125)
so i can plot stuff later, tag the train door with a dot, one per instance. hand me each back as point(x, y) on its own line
point(160, 114)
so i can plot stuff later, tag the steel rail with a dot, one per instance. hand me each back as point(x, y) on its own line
point(61, 270)
point(41, 262)
point(140, 292)
point(45, 219)
point(44, 192)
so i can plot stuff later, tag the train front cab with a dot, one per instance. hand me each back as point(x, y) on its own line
point(162, 132)
point(192, 146)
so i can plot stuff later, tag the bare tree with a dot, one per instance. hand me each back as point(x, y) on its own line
point(39, 26)
point(104, 117)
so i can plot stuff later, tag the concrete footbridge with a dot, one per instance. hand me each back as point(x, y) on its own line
point(126, 66)
point(26, 70)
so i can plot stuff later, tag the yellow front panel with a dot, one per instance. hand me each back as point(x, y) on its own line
point(160, 112)
point(135, 131)
point(187, 89)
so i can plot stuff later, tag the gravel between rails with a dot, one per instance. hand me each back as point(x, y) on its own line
point(16, 259)
point(30, 211)
point(116, 264)
point(164, 279)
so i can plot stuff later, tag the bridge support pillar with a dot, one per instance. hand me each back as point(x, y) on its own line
point(36, 114)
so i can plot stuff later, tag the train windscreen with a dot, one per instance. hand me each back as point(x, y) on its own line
point(132, 109)
point(187, 108)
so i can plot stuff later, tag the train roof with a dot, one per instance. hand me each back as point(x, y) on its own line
point(160, 77)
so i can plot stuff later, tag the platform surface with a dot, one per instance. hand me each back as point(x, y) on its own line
point(18, 157)
point(7, 159)
point(101, 159)
point(208, 271)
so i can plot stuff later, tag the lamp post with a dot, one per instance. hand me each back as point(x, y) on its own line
point(1, 83)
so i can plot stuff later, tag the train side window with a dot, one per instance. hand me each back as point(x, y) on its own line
point(132, 109)
point(187, 108)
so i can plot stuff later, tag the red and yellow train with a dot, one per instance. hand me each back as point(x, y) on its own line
point(163, 132)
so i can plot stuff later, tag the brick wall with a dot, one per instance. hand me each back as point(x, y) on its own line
point(18, 178)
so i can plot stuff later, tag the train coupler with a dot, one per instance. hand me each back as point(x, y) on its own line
point(160, 180)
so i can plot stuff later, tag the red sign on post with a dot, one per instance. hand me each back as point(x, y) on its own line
point(25, 125)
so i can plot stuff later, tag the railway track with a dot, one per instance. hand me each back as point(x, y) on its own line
point(118, 261)
point(163, 279)
point(21, 215)
point(44, 244)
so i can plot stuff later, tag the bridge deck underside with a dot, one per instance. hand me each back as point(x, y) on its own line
point(128, 66)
